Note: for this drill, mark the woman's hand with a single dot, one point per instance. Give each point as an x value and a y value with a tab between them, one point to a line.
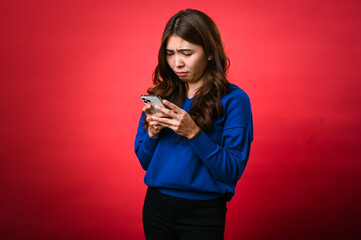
154	127
180	121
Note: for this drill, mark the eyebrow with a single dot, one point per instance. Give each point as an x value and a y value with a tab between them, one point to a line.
180	50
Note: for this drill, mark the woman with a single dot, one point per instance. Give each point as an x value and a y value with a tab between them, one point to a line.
196	149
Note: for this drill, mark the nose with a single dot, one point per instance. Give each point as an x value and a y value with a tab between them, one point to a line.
179	61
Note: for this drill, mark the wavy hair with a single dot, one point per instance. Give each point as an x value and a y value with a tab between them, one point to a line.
196	27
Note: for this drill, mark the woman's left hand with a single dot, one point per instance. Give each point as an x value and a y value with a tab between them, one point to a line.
180	121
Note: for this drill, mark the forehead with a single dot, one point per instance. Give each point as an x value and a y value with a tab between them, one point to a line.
176	42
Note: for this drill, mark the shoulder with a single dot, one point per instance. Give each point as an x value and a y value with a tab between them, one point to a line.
236	96
236	107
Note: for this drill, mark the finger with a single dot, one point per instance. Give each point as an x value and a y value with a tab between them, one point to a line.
165	111
153	123
157	127
171	105
170	126
170	112
147	108
161	115
164	121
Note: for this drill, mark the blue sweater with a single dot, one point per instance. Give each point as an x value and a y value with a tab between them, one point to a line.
207	166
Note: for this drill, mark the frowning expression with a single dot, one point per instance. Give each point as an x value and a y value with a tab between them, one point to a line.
186	59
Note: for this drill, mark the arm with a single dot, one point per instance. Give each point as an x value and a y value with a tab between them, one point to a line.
226	162
227	159
146	140
144	145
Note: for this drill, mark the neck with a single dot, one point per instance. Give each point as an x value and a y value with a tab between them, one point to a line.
192	88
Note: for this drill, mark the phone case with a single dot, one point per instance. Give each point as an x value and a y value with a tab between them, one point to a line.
152	100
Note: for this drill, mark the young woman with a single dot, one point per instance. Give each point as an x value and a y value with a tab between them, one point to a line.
196	149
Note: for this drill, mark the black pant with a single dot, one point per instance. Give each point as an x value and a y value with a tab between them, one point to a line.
168	217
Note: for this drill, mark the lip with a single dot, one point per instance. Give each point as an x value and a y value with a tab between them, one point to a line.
182	74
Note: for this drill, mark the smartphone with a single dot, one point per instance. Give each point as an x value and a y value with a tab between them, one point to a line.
152	100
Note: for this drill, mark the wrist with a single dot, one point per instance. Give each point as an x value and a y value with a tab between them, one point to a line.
195	134
152	135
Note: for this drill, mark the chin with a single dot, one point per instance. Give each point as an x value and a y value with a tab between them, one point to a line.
184	79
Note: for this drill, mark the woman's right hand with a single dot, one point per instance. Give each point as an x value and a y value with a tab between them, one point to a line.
154	127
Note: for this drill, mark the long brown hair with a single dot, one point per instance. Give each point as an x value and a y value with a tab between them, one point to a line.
196	27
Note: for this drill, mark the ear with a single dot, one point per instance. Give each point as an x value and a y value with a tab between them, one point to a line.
210	58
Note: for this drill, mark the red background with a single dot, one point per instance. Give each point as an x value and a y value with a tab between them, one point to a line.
71	76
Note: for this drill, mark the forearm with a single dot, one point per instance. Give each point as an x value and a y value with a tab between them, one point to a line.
145	150
144	146
226	163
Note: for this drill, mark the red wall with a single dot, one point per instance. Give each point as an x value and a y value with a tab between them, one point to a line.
71	76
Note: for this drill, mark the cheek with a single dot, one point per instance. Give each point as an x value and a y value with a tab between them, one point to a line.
169	61
200	66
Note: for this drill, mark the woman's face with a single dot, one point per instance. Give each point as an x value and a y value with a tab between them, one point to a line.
186	59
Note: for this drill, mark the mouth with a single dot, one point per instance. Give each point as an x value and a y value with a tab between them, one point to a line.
182	74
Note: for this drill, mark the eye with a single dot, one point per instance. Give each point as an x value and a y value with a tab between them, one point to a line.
169	53
187	53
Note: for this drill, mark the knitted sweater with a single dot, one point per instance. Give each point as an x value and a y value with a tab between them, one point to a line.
207	166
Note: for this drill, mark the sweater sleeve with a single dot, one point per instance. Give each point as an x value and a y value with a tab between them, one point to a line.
144	145
226	161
